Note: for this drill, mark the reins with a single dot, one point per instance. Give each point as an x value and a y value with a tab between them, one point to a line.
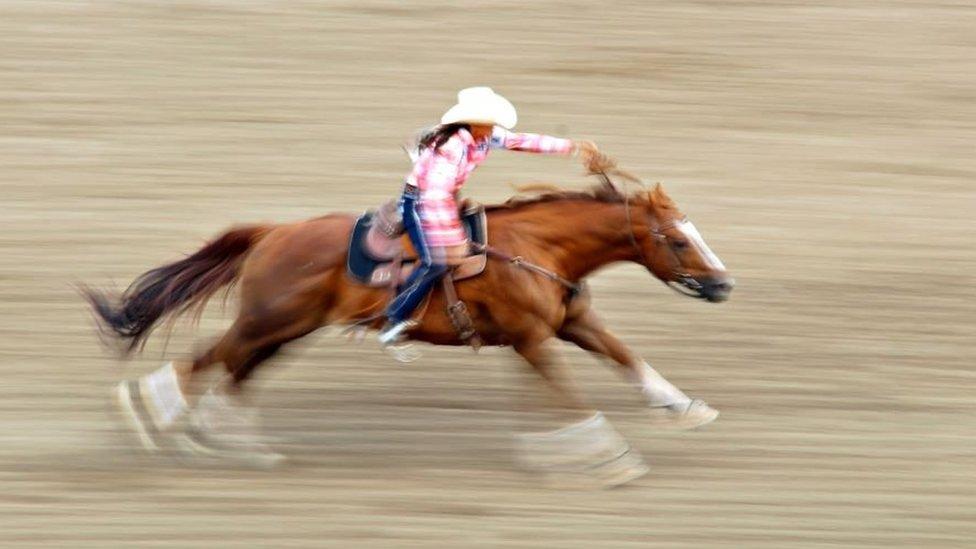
519	261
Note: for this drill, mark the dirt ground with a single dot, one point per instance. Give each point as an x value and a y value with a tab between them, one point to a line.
825	150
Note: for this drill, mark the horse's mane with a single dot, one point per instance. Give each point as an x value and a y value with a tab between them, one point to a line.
539	193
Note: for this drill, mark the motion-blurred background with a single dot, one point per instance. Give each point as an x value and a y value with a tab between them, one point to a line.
825	149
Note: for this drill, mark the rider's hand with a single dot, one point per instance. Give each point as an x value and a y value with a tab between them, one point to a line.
592	159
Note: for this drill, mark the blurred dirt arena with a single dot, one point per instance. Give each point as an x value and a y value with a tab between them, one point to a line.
825	149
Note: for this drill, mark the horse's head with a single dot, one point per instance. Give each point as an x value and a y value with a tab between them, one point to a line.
674	251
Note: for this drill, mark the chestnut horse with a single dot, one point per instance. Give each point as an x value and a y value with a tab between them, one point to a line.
293	280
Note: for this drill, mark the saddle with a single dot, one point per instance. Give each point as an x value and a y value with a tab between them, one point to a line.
381	255
380	252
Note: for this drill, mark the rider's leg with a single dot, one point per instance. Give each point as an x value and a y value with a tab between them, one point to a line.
428	271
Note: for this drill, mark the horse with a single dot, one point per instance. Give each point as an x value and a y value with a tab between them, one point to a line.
292	281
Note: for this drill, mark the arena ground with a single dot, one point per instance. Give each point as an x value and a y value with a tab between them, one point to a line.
825	150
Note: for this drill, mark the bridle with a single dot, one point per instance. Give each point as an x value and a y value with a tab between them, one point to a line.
683	281
688	285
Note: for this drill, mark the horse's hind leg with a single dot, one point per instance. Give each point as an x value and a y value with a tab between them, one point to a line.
156	405
220	424
163	403
669	405
239	375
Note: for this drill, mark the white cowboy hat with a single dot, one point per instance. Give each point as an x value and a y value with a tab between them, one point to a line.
481	105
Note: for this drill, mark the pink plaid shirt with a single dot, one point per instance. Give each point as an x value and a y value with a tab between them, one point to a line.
440	174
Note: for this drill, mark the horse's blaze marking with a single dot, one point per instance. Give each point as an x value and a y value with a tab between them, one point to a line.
688	229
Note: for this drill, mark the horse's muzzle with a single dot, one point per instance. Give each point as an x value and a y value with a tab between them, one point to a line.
716	289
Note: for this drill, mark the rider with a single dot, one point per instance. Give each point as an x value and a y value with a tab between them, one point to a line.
446	156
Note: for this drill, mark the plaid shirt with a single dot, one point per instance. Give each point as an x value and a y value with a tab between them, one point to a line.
440	174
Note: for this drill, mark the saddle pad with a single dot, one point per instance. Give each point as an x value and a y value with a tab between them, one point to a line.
359	264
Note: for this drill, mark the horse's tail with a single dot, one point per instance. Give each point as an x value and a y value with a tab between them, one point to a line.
174	288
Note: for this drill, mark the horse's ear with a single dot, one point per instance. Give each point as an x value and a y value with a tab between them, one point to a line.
659	197
654	193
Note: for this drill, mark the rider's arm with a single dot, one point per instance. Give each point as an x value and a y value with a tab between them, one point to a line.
530	142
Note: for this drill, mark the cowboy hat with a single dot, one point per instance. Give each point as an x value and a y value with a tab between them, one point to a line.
481	105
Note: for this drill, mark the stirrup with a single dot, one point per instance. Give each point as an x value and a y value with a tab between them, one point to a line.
394	333
393	341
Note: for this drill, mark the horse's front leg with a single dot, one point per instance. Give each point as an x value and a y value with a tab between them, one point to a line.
669	405
549	364
589	449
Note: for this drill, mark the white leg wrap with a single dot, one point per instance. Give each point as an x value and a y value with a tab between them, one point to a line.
162	390
590	448
657	390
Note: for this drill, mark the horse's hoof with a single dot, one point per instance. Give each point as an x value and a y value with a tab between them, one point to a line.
128	401
625	473
218	430
196	446
596	475
696	413
589	454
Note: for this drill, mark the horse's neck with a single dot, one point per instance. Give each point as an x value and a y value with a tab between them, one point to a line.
577	237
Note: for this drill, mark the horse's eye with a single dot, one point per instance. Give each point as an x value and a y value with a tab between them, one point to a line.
679	244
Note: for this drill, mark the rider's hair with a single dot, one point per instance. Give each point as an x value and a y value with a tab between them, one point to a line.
438	135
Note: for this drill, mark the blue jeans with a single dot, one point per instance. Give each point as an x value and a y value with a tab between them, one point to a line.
427	271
